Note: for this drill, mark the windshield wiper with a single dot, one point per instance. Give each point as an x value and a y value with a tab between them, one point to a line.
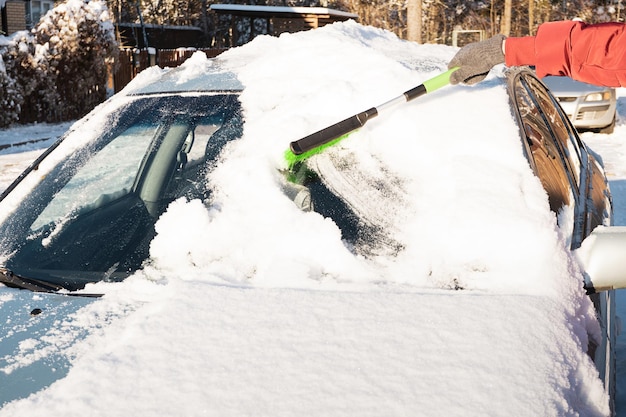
8	278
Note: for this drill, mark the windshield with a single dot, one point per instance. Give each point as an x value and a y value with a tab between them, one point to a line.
92	217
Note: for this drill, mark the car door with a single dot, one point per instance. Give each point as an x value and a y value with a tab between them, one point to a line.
572	176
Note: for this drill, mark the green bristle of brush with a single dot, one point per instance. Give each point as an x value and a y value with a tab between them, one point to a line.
292	158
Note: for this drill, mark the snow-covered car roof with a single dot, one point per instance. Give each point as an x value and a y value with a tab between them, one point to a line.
249	305
196	75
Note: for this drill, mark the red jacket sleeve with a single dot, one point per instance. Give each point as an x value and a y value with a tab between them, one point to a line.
595	54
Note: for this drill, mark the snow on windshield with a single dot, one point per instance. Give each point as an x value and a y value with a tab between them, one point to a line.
223	317
413	174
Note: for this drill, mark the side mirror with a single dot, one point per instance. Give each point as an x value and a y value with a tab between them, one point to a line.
603	255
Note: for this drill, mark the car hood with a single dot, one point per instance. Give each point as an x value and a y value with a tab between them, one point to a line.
570	87
280	352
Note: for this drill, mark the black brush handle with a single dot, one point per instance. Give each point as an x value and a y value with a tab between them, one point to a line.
329	133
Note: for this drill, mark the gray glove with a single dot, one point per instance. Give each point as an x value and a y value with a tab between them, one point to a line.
476	60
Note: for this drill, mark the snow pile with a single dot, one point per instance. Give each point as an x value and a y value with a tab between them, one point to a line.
251	306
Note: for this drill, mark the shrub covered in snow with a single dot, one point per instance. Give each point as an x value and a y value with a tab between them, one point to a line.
58	70
27	72
10	97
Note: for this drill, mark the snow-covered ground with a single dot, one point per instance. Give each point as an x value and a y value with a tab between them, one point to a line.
188	336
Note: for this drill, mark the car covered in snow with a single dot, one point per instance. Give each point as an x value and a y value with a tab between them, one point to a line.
589	107
497	220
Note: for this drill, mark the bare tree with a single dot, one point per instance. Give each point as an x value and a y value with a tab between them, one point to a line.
505	29
531	17
414	20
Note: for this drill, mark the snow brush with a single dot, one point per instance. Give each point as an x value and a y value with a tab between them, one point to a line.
315	143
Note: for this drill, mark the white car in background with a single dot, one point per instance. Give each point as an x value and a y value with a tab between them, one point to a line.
587	106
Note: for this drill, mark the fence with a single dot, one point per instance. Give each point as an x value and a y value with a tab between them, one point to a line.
131	61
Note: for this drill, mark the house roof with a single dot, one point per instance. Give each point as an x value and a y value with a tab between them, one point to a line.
280	11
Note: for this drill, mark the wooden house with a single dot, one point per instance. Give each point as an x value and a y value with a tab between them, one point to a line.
243	20
16	15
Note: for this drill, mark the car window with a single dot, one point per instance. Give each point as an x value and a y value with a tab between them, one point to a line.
559	158
567	141
102	178
195	144
545	153
92	217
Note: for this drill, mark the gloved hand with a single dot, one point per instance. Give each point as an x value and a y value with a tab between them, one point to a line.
476	60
